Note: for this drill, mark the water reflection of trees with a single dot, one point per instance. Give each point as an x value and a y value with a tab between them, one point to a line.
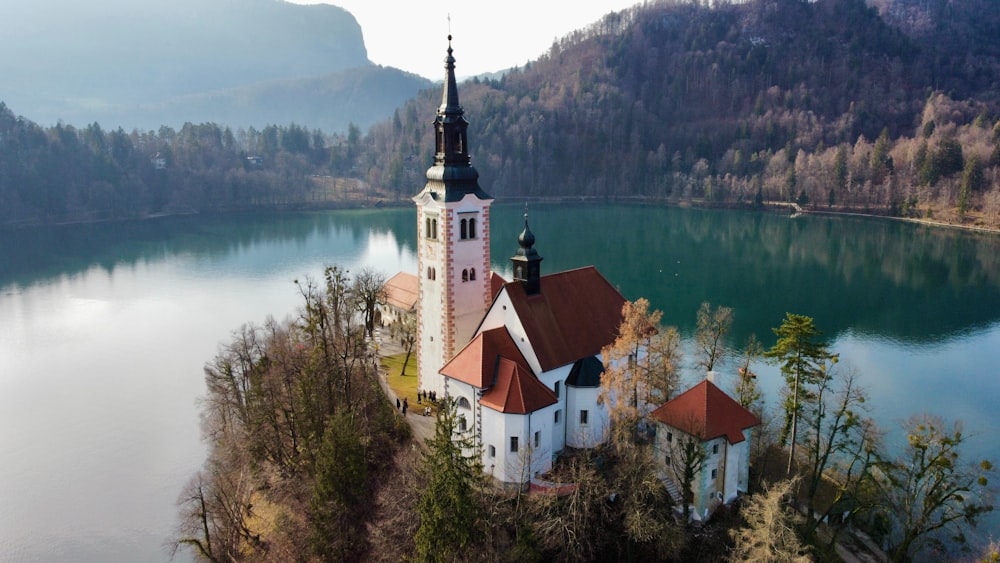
901	281
34	255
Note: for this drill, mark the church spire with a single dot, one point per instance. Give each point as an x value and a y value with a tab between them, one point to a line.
449	98
526	261
453	254
452	163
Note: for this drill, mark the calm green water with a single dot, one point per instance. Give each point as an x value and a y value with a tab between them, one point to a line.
104	330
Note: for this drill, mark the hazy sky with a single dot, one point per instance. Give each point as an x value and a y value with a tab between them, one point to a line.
489	35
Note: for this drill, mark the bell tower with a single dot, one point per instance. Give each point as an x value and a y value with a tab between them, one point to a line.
526	261
453	243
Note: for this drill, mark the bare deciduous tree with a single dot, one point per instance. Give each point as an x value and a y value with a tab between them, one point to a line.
931	491
769	535
404	329
839	444
572	525
712	327
686	454
640	369
748	393
369	293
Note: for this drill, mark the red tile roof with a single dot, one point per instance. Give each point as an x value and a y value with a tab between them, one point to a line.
496	284
707	412
476	364
492	361
574	315
401	291
517	390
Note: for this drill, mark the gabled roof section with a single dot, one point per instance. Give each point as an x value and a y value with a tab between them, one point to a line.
517	390
574	315
707	412
401	291
476	364
496	284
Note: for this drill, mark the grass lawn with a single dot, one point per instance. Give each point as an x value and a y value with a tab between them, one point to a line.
404	384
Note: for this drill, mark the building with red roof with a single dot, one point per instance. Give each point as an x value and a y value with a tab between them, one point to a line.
401	293
530	378
721	428
520	358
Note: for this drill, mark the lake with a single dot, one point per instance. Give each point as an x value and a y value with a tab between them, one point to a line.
105	329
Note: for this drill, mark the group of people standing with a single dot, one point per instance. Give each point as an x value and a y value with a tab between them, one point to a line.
429	396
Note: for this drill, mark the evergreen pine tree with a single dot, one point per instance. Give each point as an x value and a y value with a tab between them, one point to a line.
340	494
801	357
449	507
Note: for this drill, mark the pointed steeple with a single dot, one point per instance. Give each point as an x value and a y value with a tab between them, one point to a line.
452	163
526	261
449	98
453	255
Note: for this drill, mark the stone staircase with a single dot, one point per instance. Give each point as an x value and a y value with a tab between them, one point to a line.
673	488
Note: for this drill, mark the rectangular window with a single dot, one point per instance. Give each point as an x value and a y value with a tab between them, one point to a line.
670	437
493	452
584	416
513	444
715	449
538	439
557	416
714	473
462	426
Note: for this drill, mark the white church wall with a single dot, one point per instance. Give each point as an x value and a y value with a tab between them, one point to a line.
557	428
592	431
732	470
431	291
502	314
464	396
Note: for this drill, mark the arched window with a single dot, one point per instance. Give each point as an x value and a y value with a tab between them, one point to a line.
472	228
558	386
463	403
427	227
464	229
434	228
465	275
472	274
430	274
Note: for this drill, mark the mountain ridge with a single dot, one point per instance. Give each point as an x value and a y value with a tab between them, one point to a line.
119	62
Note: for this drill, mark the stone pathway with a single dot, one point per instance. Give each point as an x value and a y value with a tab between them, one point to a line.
422	426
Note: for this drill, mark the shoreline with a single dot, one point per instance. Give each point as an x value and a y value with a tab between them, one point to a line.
381	202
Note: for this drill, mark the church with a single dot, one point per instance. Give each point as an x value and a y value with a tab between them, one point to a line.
520	358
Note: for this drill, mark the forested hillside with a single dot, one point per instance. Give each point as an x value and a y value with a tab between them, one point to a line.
889	108
64	174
